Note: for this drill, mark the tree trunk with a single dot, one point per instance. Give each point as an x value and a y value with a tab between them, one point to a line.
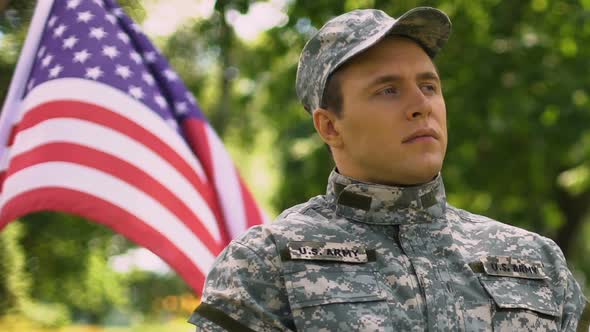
3	4
575	209
220	117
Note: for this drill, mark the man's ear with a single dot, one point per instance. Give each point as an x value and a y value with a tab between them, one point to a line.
325	123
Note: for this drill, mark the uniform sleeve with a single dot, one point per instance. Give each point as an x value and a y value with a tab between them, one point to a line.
576	311
244	292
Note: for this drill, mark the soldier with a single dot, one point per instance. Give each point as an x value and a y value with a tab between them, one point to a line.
382	250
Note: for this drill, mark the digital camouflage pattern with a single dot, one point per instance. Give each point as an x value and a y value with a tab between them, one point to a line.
424	274
351	33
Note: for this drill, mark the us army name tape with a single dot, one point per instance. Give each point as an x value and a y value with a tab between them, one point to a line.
327	251
512	267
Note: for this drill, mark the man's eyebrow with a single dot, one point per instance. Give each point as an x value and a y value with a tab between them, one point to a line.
427	75
384	79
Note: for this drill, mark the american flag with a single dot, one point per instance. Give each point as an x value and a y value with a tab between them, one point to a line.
99	125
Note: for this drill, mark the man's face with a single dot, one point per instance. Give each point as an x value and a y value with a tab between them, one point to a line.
393	121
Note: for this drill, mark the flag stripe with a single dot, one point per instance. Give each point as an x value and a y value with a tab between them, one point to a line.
5	159
114	143
196	129
82	155
169	158
114	191
117	102
104	212
107	118
11	136
226	180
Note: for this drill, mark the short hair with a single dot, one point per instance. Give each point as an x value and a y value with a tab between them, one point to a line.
332	97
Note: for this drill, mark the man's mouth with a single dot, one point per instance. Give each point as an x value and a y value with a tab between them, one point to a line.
421	135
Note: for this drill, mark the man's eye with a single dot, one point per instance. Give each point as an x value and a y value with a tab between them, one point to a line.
389	91
429	88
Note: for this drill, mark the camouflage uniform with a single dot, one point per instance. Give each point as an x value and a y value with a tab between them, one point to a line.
368	257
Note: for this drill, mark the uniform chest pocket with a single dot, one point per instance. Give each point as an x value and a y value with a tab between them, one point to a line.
521	304
329	299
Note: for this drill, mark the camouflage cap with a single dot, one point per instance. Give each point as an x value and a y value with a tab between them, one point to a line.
347	35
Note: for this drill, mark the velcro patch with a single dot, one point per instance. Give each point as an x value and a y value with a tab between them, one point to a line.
513	267
327	251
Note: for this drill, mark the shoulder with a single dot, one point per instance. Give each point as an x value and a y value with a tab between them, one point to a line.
499	238
255	255
492	228
297	223
293	224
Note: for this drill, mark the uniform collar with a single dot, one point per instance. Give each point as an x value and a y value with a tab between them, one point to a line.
380	204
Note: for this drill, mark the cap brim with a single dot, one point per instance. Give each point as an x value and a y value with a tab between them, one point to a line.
428	26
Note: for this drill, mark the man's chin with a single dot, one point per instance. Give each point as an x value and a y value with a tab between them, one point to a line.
423	173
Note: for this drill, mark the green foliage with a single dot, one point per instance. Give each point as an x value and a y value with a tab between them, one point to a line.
15	283
146	287
74	253
50	315
14	323
99	289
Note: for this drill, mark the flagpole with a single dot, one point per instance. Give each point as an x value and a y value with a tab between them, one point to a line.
22	71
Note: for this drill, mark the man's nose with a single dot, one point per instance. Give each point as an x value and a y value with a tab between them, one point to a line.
419	105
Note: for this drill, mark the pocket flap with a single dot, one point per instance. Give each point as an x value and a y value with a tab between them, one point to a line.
313	287
514	293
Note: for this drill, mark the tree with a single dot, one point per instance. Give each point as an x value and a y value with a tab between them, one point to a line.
14	290
514	77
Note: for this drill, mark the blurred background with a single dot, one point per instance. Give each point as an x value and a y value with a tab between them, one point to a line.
516	79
